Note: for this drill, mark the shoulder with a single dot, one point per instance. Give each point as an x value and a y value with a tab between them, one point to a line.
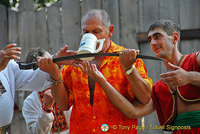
115	48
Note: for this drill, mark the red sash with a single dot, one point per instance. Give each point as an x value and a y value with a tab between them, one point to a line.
59	122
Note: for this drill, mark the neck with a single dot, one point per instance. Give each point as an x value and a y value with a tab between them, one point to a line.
175	58
107	46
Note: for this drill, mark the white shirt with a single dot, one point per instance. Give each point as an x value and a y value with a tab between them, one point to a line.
13	79
37	120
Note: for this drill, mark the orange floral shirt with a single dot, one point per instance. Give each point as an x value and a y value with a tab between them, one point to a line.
87	119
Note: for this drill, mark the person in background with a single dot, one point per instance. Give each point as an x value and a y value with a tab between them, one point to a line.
12	79
93	109
40	111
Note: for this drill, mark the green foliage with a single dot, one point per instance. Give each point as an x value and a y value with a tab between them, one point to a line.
9	3
37	3
43	3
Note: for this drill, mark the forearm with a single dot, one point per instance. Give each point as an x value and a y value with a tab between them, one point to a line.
194	78
140	87
61	96
60	93
119	101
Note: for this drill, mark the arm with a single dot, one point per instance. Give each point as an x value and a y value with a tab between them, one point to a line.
131	111
9	52
23	79
180	77
29	80
119	101
140	87
58	89
37	120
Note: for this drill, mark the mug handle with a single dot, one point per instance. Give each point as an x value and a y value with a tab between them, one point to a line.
101	41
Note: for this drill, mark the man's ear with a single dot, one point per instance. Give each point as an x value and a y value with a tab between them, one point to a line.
175	37
111	30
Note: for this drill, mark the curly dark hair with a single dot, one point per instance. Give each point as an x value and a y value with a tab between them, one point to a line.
33	53
167	25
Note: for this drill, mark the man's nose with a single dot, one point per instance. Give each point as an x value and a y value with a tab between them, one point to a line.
153	42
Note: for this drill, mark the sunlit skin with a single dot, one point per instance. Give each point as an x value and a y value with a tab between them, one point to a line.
8	53
161	43
95	26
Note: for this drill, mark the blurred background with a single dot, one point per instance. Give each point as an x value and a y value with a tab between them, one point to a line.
51	24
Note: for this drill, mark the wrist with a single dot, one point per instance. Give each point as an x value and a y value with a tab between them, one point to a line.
125	68
47	108
129	70
55	81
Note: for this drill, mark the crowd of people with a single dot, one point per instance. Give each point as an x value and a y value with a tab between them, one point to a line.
91	96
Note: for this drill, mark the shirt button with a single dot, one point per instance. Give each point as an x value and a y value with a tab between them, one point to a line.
94	117
94	130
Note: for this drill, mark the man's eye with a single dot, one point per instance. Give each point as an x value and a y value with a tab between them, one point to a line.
96	32
157	36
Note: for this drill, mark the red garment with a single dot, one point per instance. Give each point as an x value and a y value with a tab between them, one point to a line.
190	64
188	131
163	99
86	119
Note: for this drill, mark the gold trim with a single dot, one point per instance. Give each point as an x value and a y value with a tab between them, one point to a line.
173	111
178	88
186	99
182	60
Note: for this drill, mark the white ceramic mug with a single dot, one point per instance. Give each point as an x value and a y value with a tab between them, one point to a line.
88	45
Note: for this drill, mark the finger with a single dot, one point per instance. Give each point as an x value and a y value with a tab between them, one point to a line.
94	67
171	85
64	49
137	52
50	61
92	70
9	46
132	54
14	57
167	74
79	60
76	65
41	61
12	49
12	52
167	81
88	68
71	52
172	66
123	52
83	67
47	61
